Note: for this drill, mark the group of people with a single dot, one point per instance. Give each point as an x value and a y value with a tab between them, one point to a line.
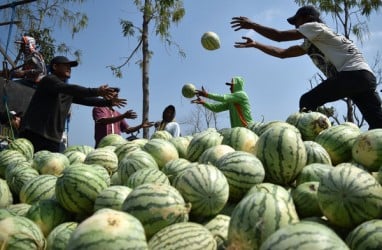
347	75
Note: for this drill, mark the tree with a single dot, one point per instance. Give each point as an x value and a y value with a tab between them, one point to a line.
161	13
40	18
350	17
200	119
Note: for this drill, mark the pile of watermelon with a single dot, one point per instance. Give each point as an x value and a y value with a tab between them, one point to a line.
301	183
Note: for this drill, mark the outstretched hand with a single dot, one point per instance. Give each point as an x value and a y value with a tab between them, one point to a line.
198	101
118	102
241	22
201	92
147	124
247	44
130	114
106	92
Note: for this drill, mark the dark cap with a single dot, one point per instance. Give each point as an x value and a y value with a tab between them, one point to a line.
305	11
63	60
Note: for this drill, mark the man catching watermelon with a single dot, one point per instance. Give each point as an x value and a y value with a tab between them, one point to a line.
348	74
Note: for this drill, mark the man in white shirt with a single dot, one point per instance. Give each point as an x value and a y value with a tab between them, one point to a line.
348	74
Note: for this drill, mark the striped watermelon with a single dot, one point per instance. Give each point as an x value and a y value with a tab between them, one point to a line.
188	90
304	235
218	226
242	170
111	197
315	153
19	209
77	189
122	150
294	118
81	148
18	232
305	199
201	142
9	157
367	149
111	140
174	167
106	158
6	197
181	143
161	150
59	236
183	235
283	154
240	138
108	229
213	154
210	40
205	187
47	214
367	235
50	163
260	129
75	156
255	218
349	196
313	172
5	213
161	134
24	146
156	206
310	124
338	141
38	188
146	175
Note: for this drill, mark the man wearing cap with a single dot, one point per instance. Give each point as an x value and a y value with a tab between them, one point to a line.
9	127
44	121
237	102
347	72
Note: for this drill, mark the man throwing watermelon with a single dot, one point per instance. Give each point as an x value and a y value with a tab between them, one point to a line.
347	72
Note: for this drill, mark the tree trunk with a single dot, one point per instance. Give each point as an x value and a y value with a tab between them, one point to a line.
145	68
350	111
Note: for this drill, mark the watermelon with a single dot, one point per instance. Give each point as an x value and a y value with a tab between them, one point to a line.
283	154
181	143
240	139
81	148
50	163
260	129
242	170
38	188
210	40
188	90
310	124
161	134
103	157
213	154
367	235
156	206
205	187
183	235
111	140
305	199
313	172
19	209
108	229
315	153
294	118
349	196
18	174
201	142
6	197
59	236
304	235
174	167
146	175
111	197
122	150
24	146
18	232
9	157
5	213
218	226
161	150
75	156
367	149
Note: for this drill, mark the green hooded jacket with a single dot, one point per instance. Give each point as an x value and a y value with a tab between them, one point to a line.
237	103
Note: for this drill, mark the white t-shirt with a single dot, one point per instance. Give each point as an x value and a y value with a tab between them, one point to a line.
173	128
335	49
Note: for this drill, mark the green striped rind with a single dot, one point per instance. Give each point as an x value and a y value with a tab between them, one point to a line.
111	140
267	125
304	235
205	187
240	138
255	218
24	146
78	187
174	167
188	90
124	149
19	209
161	134
201	142
136	160
315	153
311	124
82	148
338	141
6	197
181	143
9	157
140	142
112	197
183	235
108	229
161	150
146	175
19	174
313	172
51	163
59	237
218	226
305	199
210	41
294	118
38	188
5	213
213	154
47	214
349	196
283	154
255	127
18	232
156	206
367	235
106	158
367	149
242	170
75	156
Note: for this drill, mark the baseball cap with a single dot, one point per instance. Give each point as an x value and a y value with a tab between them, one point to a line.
14	113
304	11
63	60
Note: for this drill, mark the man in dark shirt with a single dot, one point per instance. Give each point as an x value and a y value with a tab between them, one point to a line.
44	120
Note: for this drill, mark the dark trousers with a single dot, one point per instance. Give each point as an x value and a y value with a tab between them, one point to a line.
39	142
360	86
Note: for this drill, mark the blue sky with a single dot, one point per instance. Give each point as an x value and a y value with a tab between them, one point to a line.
274	85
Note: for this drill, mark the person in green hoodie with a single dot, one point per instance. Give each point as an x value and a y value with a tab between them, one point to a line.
237	102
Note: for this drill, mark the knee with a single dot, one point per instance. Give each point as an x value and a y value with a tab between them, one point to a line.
304	103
